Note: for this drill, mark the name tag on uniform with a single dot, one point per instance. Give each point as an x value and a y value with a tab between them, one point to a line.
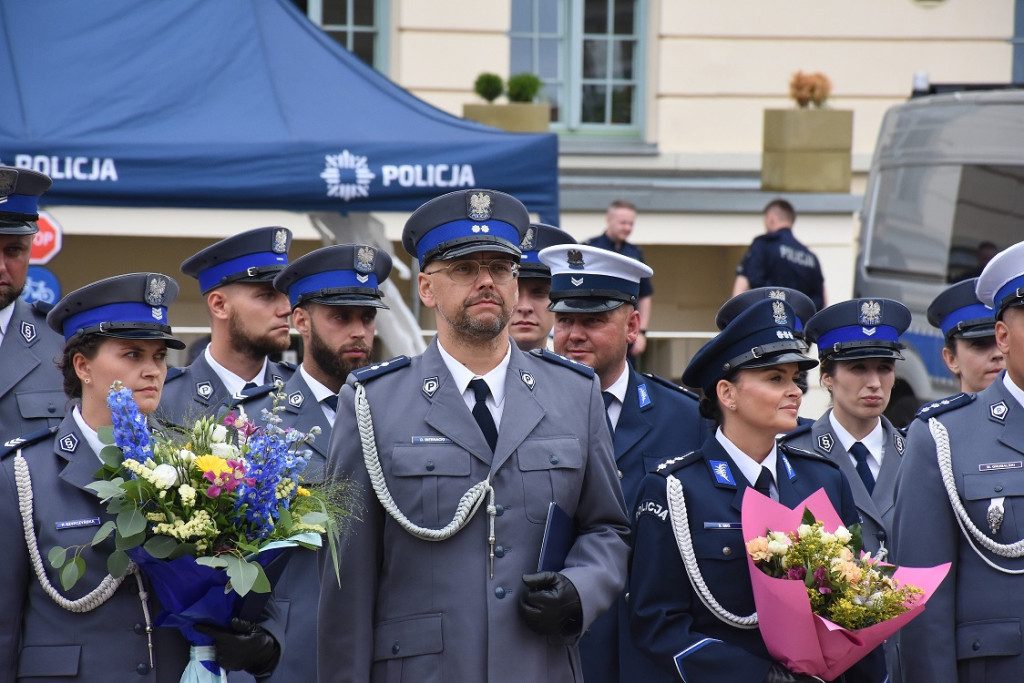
999	466
77	523
425	440
723	525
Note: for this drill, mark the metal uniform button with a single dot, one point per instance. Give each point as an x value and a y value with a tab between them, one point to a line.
554	459
499	510
430	466
619	473
51	408
142	669
727	551
140	629
395	648
499	551
500	592
999	487
976	645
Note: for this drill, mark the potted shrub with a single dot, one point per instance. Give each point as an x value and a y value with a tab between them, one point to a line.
521	114
807	149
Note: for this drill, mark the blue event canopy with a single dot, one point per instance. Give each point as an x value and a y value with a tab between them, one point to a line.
234	104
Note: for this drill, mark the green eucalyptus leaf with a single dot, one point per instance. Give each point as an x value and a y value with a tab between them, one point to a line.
129	542
106	489
315	518
160	547
215	562
112	456
106	434
262	583
57	556
117	563
182	550
103	532
131	522
241	574
71	573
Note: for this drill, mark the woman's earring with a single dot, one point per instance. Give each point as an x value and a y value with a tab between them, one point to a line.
87	380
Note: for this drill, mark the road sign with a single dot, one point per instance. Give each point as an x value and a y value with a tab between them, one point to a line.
48	241
41	285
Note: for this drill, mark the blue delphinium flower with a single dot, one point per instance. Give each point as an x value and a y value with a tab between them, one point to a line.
131	431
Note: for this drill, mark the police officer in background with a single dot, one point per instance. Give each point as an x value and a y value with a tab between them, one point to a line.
777	257
248	322
532	321
747	373
858	347
969	329
507	433
959	499
335	295
30	385
594	295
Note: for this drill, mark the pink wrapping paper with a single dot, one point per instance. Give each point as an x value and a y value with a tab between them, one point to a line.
795	636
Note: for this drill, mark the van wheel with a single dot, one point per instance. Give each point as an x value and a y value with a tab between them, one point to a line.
901	410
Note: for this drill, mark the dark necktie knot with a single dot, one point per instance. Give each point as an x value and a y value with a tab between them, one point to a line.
609	399
249	386
860	454
480	389
763	485
332	402
482	414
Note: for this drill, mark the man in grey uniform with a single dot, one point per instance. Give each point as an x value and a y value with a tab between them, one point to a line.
248	322
479	433
31	392
335	295
960	499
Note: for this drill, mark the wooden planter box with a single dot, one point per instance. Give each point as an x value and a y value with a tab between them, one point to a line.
806	150
517	117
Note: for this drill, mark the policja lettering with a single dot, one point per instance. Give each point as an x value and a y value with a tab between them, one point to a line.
800	258
72	168
429	175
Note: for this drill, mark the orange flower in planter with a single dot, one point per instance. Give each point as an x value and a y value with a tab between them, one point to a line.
810	88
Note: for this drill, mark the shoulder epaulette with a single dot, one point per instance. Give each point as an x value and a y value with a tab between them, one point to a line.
557	359
800	430
174	373
667	467
42	306
790	451
12	446
945	405
671	385
364	375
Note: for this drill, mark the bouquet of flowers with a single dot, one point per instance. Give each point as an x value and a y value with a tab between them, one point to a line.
205	511
822	603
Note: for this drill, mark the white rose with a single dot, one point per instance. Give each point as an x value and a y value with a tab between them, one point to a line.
186	456
804	530
164	476
223	450
778	548
843	535
220	433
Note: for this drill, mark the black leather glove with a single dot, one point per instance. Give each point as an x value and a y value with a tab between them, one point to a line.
245	646
780	674
551	606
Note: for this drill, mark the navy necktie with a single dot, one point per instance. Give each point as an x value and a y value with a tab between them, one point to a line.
249	386
608	400
332	402
763	485
481	413
860	453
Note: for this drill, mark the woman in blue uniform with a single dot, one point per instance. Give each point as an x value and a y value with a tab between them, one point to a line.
102	629
969	329
748	375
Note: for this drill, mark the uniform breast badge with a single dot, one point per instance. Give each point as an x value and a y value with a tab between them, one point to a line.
995	515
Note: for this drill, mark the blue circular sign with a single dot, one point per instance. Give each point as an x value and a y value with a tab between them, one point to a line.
41	285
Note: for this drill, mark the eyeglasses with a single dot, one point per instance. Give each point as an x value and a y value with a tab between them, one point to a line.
466	272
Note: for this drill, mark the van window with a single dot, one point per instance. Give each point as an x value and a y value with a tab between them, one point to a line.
989	217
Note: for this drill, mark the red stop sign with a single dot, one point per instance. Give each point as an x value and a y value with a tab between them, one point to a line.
47	242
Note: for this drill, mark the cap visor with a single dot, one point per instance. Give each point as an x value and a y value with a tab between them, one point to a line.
349	300
976	332
584	305
476	247
18	227
172	341
534	271
867	352
802	361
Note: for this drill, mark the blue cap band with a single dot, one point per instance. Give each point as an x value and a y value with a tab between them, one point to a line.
20	203
1007	290
531	257
331	279
855	333
563	284
114	313
211	277
972	312
466	228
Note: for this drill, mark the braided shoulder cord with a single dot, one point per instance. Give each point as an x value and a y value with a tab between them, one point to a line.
967	526
468	504
87	603
681	530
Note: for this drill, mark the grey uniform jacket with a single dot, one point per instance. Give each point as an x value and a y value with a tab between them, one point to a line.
196	390
31	386
973	627
875	508
40	641
416	610
297	591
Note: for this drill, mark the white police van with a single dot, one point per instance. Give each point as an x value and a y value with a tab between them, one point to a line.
946	185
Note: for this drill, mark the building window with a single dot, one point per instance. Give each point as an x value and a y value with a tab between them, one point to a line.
355	24
587	53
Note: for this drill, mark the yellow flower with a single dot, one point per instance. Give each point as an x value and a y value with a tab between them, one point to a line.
302	492
211	463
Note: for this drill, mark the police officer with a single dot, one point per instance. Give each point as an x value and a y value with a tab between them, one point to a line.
594	295
778	257
335	296
747	373
30	386
858	346
102	629
532	321
476	432
967	325
248	322
959	495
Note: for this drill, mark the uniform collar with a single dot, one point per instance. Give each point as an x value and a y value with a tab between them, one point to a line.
747	465
5	318
619	386
319	391
1015	391
90	435
233	384
874	441
462	375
